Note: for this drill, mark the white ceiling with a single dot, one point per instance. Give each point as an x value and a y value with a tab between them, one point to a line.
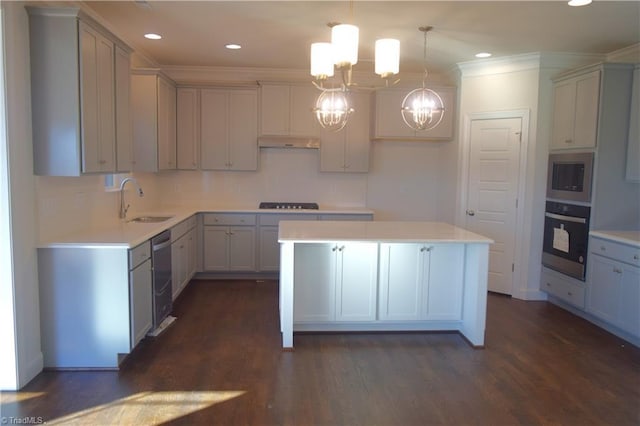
278	34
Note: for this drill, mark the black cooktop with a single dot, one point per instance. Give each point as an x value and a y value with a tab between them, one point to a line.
288	205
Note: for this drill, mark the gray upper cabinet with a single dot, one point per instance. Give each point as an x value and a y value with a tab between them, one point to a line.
79	76
153	100
389	125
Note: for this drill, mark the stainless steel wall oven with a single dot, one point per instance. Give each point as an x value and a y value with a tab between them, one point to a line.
566	235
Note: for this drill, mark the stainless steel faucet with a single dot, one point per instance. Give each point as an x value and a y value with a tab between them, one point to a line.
123	209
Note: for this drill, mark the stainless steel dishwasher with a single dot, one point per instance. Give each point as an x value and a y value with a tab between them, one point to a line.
161	261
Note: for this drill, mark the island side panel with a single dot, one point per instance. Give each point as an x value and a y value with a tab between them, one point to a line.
286	293
474	311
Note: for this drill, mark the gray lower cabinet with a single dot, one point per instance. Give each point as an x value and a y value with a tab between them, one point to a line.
242	242
95	304
613	293
183	255
229	242
140	292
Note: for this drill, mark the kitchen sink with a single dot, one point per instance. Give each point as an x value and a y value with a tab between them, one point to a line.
150	219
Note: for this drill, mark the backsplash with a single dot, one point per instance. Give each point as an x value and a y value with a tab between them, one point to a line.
67	205
283	175
404	183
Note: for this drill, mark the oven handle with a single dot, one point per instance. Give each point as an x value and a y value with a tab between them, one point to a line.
566	218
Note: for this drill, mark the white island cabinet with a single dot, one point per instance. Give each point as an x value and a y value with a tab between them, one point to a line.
364	276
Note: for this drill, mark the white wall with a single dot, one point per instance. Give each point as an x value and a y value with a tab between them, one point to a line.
22	195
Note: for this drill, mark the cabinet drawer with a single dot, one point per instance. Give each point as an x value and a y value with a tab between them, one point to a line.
229	219
556	285
274	219
182	228
139	254
616	251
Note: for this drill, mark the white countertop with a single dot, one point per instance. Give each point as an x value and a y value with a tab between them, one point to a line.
125	235
378	231
631	238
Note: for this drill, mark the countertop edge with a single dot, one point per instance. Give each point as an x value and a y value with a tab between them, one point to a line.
631	238
136	234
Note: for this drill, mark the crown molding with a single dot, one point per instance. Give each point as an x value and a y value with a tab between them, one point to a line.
527	61
629	54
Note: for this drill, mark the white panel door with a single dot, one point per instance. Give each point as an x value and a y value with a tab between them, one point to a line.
492	193
403	271
356	281
315	278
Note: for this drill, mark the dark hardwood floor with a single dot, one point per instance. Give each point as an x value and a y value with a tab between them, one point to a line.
221	363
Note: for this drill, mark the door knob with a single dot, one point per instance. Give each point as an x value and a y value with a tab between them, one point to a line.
471	213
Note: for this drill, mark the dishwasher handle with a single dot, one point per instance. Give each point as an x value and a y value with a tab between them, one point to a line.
163	244
161	241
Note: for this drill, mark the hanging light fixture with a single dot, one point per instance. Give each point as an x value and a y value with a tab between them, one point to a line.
333	107
423	109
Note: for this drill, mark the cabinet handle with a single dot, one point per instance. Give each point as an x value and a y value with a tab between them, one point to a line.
635	257
334	248
617	270
569	293
102	161
426	248
548	284
603	248
341	248
568	141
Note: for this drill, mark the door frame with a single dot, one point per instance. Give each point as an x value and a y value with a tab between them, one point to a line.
463	188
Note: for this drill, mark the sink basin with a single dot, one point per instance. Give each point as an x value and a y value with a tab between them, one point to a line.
150	219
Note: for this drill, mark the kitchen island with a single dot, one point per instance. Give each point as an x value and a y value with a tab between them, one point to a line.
382	276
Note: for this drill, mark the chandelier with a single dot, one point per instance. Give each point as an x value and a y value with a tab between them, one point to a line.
333	106
422	108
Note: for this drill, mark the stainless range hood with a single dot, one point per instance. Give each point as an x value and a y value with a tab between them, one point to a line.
288	142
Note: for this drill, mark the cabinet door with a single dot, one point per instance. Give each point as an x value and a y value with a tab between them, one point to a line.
192	253
629	318
332	150
166	125
603	292
215	246
187	128
444	287
302	121
124	130
97	101
390	125
348	149
274	110
178	265
356	281
242	248
357	145
314	278
564	98
141	291
403	270
586	110
575	112
214	129
243	130
269	249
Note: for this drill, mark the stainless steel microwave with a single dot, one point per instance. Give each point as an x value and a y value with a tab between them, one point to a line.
570	176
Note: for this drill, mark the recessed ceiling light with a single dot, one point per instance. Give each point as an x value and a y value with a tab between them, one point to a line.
579	2
483	55
233	46
152	36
